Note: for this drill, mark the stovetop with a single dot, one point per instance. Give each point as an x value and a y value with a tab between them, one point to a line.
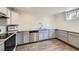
5	35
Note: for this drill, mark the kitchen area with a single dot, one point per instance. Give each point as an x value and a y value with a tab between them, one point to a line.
11	36
21	26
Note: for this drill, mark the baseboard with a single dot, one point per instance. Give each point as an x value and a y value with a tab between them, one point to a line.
35	41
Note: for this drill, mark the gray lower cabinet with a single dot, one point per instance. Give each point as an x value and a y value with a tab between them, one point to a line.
22	37
26	37
62	35
51	33
19	38
43	34
69	37
2	47
74	39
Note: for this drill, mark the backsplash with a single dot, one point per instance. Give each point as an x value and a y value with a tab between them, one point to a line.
3	22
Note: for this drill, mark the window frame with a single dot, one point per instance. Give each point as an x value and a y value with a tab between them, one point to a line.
72	13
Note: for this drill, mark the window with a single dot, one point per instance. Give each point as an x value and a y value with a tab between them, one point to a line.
72	15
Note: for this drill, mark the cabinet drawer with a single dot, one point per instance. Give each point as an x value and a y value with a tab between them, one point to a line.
74	34
61	31
62	34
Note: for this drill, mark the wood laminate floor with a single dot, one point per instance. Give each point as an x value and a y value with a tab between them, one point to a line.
49	45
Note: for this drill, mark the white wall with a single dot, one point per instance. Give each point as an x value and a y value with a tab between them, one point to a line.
61	23
32	22
13	17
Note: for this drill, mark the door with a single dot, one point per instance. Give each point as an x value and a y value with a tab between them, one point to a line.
51	33
74	39
62	35
45	34
19	38
26	37
41	35
4	10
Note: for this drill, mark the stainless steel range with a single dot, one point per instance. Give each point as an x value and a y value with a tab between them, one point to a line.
10	43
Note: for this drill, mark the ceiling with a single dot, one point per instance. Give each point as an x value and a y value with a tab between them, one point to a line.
42	10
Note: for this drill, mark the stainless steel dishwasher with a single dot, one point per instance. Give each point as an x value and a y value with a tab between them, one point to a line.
34	36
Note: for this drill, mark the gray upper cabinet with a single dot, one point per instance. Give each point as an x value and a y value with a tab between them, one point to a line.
74	39
3	10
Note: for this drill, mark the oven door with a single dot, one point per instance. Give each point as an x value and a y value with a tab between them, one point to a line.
10	43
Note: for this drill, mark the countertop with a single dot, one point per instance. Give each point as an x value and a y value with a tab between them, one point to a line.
33	30
69	31
3	40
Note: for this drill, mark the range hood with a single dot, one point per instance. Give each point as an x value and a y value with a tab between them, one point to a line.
2	15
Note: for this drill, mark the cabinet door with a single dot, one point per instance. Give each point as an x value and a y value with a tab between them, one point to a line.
45	34
26	37
74	39
9	15
41	35
62	35
51	33
56	33
63	38
19	38
3	10
2	47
